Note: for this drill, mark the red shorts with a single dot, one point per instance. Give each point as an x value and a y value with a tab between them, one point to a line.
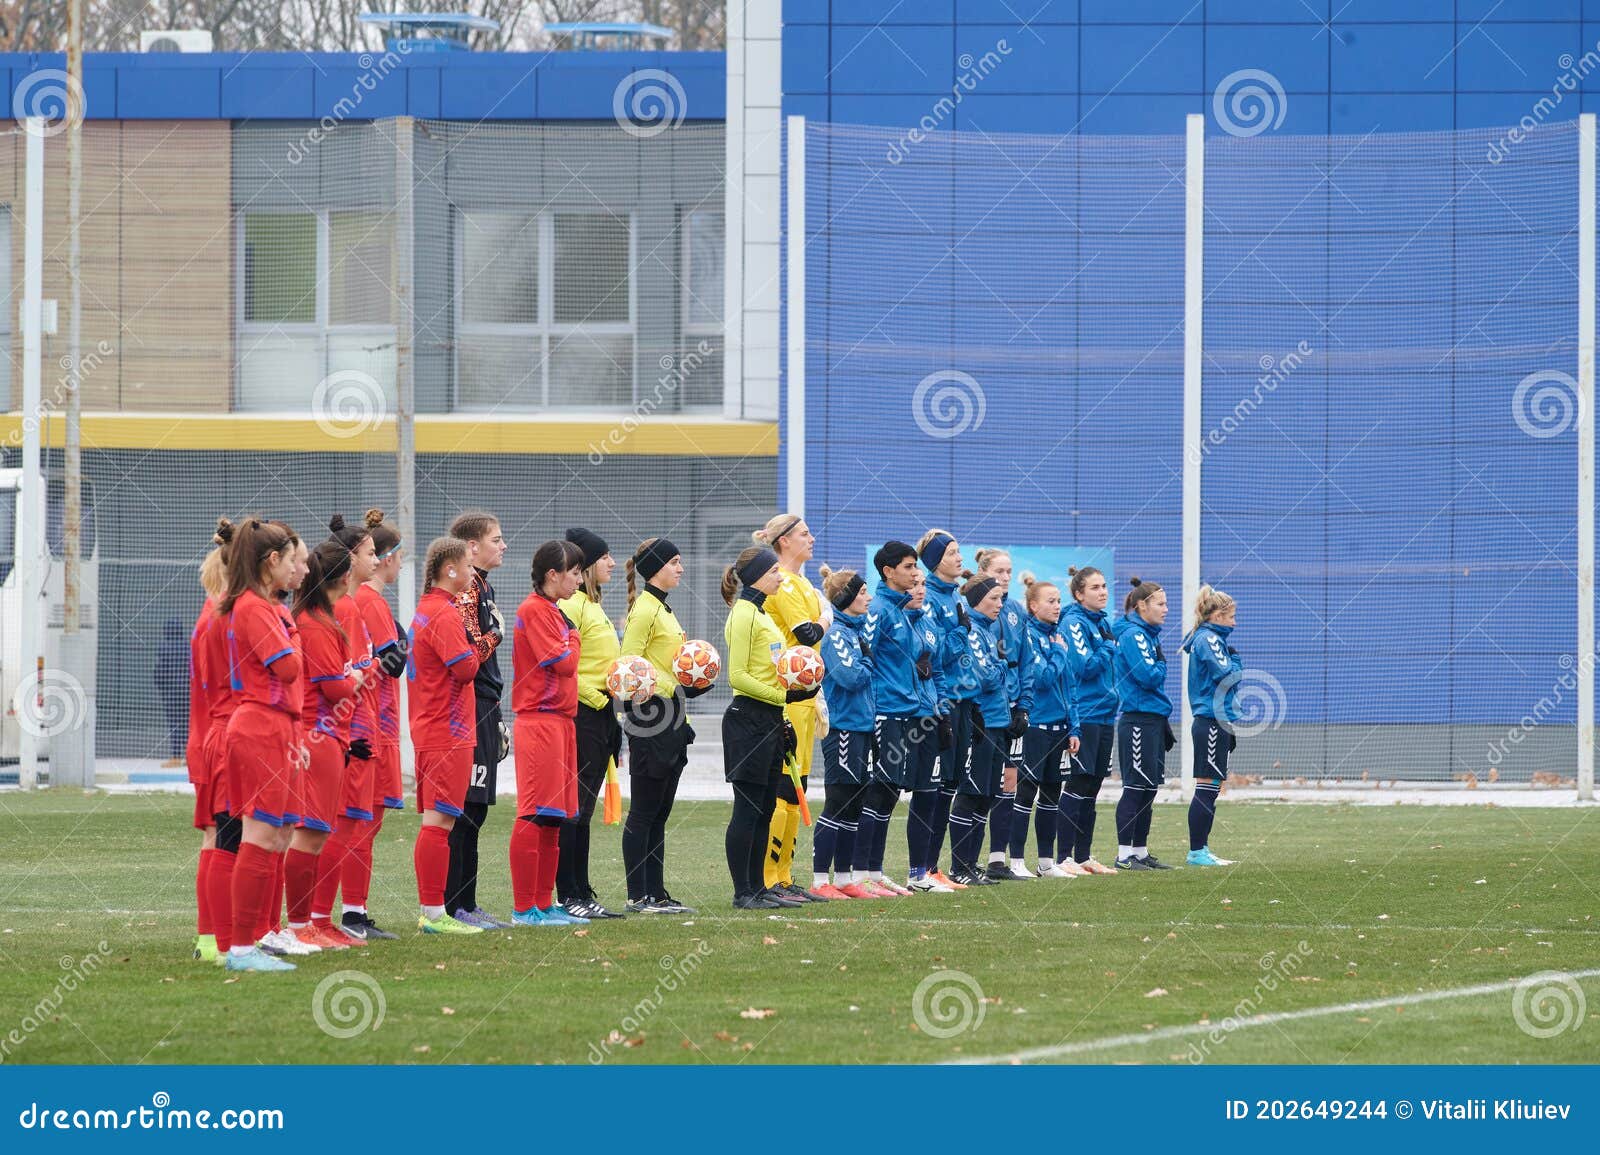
321	786
546	748
359	776
264	760
211	787
388	791
442	777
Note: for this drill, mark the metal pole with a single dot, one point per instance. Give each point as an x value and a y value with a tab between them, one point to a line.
30	521
405	387
1586	655
794	434
1193	310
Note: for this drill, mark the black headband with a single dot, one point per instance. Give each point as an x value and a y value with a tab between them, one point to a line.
784	532
648	561
978	589
842	599
757	567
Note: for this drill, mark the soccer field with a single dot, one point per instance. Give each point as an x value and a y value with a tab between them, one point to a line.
1264	962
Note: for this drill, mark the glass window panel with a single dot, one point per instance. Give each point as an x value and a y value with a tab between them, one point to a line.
704	279
498	372
500	268
594	372
591	268
359	254
280	268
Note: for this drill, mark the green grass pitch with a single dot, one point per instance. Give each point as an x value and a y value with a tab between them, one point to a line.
1329	906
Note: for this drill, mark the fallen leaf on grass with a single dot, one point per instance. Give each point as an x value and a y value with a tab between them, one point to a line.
422	1050
447	1010
725	1037
1156	993
634	1041
768	940
757	1013
580	934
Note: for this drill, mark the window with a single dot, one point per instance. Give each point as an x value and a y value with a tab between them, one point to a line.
545	310
699	368
314	299
10	313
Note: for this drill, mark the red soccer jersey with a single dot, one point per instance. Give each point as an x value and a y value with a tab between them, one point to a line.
259	635
199	695
380	687
364	718
327	675
544	659
439	672
214	668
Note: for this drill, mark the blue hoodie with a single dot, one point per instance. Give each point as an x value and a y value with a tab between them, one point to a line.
1050	677
848	682
1213	665
1092	649
888	636
956	680
989	671
1014	631
1141	676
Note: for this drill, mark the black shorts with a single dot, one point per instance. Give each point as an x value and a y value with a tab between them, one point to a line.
1212	745
1095	743
846	758
981	776
658	737
1045	761
1142	750
752	741
485	754
908	750
953	762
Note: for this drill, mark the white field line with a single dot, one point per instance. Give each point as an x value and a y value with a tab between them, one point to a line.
1162	1034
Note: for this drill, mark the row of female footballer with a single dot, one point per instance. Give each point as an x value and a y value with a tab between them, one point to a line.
986	710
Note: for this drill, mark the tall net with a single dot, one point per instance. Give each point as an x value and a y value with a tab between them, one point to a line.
995	329
241	333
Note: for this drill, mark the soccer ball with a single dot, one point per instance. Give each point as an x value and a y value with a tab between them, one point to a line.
799	668
631	676
697	664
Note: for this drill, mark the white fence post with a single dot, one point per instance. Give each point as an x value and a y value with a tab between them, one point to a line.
794	296
1585	655
1194	291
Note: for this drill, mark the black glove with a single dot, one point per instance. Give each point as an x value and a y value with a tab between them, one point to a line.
961	613
924	667
1233	743
393	659
1000	650
1169	739
866	651
1160	656
688	734
695	691
505	742
1106	635
947	734
808	633
359	748
1019	723
791	740
799	695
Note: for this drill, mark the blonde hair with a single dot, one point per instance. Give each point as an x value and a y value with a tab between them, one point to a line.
985	556
834	580
777	529
1034	589
214	569
923	541
441	552
1208	603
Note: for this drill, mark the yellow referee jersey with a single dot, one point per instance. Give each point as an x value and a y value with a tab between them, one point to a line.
653	633
598	647
753	643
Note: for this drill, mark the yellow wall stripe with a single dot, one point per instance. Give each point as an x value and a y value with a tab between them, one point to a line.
437	434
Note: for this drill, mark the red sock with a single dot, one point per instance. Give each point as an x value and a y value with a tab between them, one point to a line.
355	876
431	857
272	917
300	879
524	866
202	891
219	886
549	856
253	871
330	864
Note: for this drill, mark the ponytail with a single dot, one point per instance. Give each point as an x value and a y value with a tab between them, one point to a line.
1033	589
253	541
441	552
1208	603
1079	580
1140	592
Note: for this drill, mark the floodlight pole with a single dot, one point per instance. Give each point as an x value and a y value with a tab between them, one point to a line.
1193	311
794	296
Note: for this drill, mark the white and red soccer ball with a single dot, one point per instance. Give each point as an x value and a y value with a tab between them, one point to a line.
696	664
800	668
631	676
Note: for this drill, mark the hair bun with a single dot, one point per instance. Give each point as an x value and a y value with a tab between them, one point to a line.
823	570
336	523
1135	580
224	532
374	518
1072	571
